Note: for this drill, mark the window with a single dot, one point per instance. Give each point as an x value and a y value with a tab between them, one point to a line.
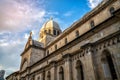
79	69
77	33
47	52
38	78
112	10
49	76
108	65
92	24
49	31
45	31
58	32
33	77
61	73
55	47
54	31
65	40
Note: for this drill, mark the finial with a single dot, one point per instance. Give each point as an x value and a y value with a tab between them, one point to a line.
31	33
30	37
51	18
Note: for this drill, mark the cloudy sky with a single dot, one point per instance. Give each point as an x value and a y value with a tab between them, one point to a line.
19	17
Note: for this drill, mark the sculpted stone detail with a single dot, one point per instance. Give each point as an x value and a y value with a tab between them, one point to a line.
88	50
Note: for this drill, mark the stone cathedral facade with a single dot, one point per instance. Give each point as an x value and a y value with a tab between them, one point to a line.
88	50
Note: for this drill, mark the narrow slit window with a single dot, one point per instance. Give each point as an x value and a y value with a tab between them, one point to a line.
55	47
66	41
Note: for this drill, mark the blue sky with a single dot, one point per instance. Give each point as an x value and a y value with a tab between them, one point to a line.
19	17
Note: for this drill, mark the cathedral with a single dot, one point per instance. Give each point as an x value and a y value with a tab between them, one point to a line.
88	50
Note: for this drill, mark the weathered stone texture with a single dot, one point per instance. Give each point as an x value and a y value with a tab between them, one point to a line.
92	55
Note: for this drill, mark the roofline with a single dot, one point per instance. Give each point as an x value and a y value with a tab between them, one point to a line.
31	46
12	74
85	18
91	30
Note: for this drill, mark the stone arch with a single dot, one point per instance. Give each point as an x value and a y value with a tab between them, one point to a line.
108	65
38	78
61	73
79	69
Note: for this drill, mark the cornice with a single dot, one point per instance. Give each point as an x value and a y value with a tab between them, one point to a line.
86	35
14	73
85	18
64	57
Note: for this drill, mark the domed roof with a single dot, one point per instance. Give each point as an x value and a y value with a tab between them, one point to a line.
49	31
50	24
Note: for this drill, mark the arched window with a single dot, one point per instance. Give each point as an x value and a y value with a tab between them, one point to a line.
45	31
108	66
61	73
38	78
92	24
77	33
58	32
54	31
33	77
112	10
49	76
49	31
65	40
79	69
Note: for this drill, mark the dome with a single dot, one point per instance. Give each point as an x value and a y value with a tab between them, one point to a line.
50	25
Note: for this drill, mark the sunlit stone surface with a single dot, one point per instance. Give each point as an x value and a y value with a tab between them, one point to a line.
88	50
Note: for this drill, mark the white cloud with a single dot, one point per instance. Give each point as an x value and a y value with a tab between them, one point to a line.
18	16
26	36
69	13
17	19
52	13
11	46
93	3
1	67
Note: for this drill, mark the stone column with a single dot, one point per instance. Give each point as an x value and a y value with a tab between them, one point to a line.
88	55
91	64
68	67
53	70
